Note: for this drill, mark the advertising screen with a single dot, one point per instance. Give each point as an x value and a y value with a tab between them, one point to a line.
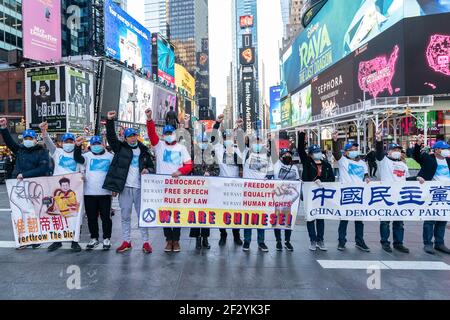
126	92
125	38
42	30
162	101
166	60
275	108
144	95
80	104
248	94
184	81
247	56
111	91
428	38
301	107
286	113
246	21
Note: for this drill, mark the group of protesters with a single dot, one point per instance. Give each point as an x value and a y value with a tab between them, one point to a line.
118	172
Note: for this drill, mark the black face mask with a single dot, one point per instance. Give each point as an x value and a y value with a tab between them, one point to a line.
286	160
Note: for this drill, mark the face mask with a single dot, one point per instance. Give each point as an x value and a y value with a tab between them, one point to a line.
68	147
228	143
169	139
257	148
97	149
353	154
317	156
133	145
396	155
445	153
287	160
29	143
203	146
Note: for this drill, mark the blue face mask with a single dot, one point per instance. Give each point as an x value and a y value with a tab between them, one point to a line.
68	147
29	143
353	154
203	146
97	148
133	145
228	143
169	139
257	148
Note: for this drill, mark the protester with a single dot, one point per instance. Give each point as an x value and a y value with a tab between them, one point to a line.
284	169
392	170
32	159
315	169
131	160
435	167
229	158
372	162
64	163
204	165
171	158
257	165
352	169
96	199
172	118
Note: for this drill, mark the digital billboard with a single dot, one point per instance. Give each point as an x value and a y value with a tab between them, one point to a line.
126	39
164	60
275	108
246	21
80	100
248	100
163	99
112	82
337	30
126	108
286	112
42	30
301	107
184	81
247	56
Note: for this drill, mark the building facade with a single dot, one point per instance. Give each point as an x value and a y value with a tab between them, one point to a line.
156	17
285	13
10	27
12	99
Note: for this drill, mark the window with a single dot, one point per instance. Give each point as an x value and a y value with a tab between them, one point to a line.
2	106
15	106
19	87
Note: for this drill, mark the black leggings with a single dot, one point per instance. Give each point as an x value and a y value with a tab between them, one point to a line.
95	205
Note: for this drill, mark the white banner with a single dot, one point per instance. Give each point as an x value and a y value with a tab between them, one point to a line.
377	201
213	202
46	209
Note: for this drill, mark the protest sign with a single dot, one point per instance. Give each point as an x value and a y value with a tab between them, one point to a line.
378	201
46	209
213	202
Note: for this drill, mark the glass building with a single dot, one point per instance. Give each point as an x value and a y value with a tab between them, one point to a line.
10	27
77	27
155	16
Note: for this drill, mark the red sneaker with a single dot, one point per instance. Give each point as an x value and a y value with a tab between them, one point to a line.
124	247
147	248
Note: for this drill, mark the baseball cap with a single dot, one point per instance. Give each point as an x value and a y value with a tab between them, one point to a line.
168	129
130	132
394	146
350	145
67	136
441	145
96	140
314	149
29	134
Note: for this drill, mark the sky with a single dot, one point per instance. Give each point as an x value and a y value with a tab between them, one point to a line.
270	33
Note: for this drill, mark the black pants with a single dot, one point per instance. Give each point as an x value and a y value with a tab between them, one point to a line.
373	169
236	235
199	232
287	235
95	205
172	234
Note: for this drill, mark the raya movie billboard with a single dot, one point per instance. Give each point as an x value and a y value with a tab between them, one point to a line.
125	38
275	108
42	30
337	30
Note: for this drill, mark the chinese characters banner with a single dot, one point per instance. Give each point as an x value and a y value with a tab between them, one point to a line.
377	201
46	209
212	202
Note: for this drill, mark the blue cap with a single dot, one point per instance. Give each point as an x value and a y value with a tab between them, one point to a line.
168	129
96	140
284	151
393	146
314	149
202	137
130	132
441	145
29	134
350	145
67	136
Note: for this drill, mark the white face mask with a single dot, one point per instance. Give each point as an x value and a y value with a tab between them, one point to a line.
318	156
396	155
353	154
445	153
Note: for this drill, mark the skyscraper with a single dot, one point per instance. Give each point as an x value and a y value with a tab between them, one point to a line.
10	27
121	3
156	16
285	11
294	27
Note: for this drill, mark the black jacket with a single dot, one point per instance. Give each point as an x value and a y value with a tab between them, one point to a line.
123	156
30	162
371	156
428	163
310	170
172	119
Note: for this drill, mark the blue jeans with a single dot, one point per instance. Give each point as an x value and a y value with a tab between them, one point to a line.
397	230
436	228
248	235
359	232
313	235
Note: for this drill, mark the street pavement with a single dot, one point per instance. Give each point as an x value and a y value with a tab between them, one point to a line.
223	273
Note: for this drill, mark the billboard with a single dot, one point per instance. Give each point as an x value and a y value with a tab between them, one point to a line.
126	39
428	39
42	30
286	112
301	107
144	95
80	104
184	81
248	100
338	30
164	60
246	21
126	108
112	83
247	56
46	97
275	108
333	88
163	99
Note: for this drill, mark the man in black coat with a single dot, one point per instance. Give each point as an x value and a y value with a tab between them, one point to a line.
131	160
172	118
315	169
435	167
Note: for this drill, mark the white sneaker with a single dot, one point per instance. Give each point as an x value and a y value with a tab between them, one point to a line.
106	244
321	245
313	246
92	244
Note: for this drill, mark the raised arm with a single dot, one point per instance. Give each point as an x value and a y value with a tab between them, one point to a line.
419	156
111	135
77	154
336	147
301	146
151	128
9	141
47	140
379	155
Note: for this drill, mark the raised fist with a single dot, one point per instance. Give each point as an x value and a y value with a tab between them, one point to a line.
149	113
379	135
220	118
335	136
43	126
3	123
420	139
79	141
111	115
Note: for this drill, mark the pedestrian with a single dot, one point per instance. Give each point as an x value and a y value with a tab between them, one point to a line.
352	169
257	165
315	169
172	158
172	118
284	169
392	170
96	199
204	165
32	159
64	163
435	167
131	160
372	162
229	158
